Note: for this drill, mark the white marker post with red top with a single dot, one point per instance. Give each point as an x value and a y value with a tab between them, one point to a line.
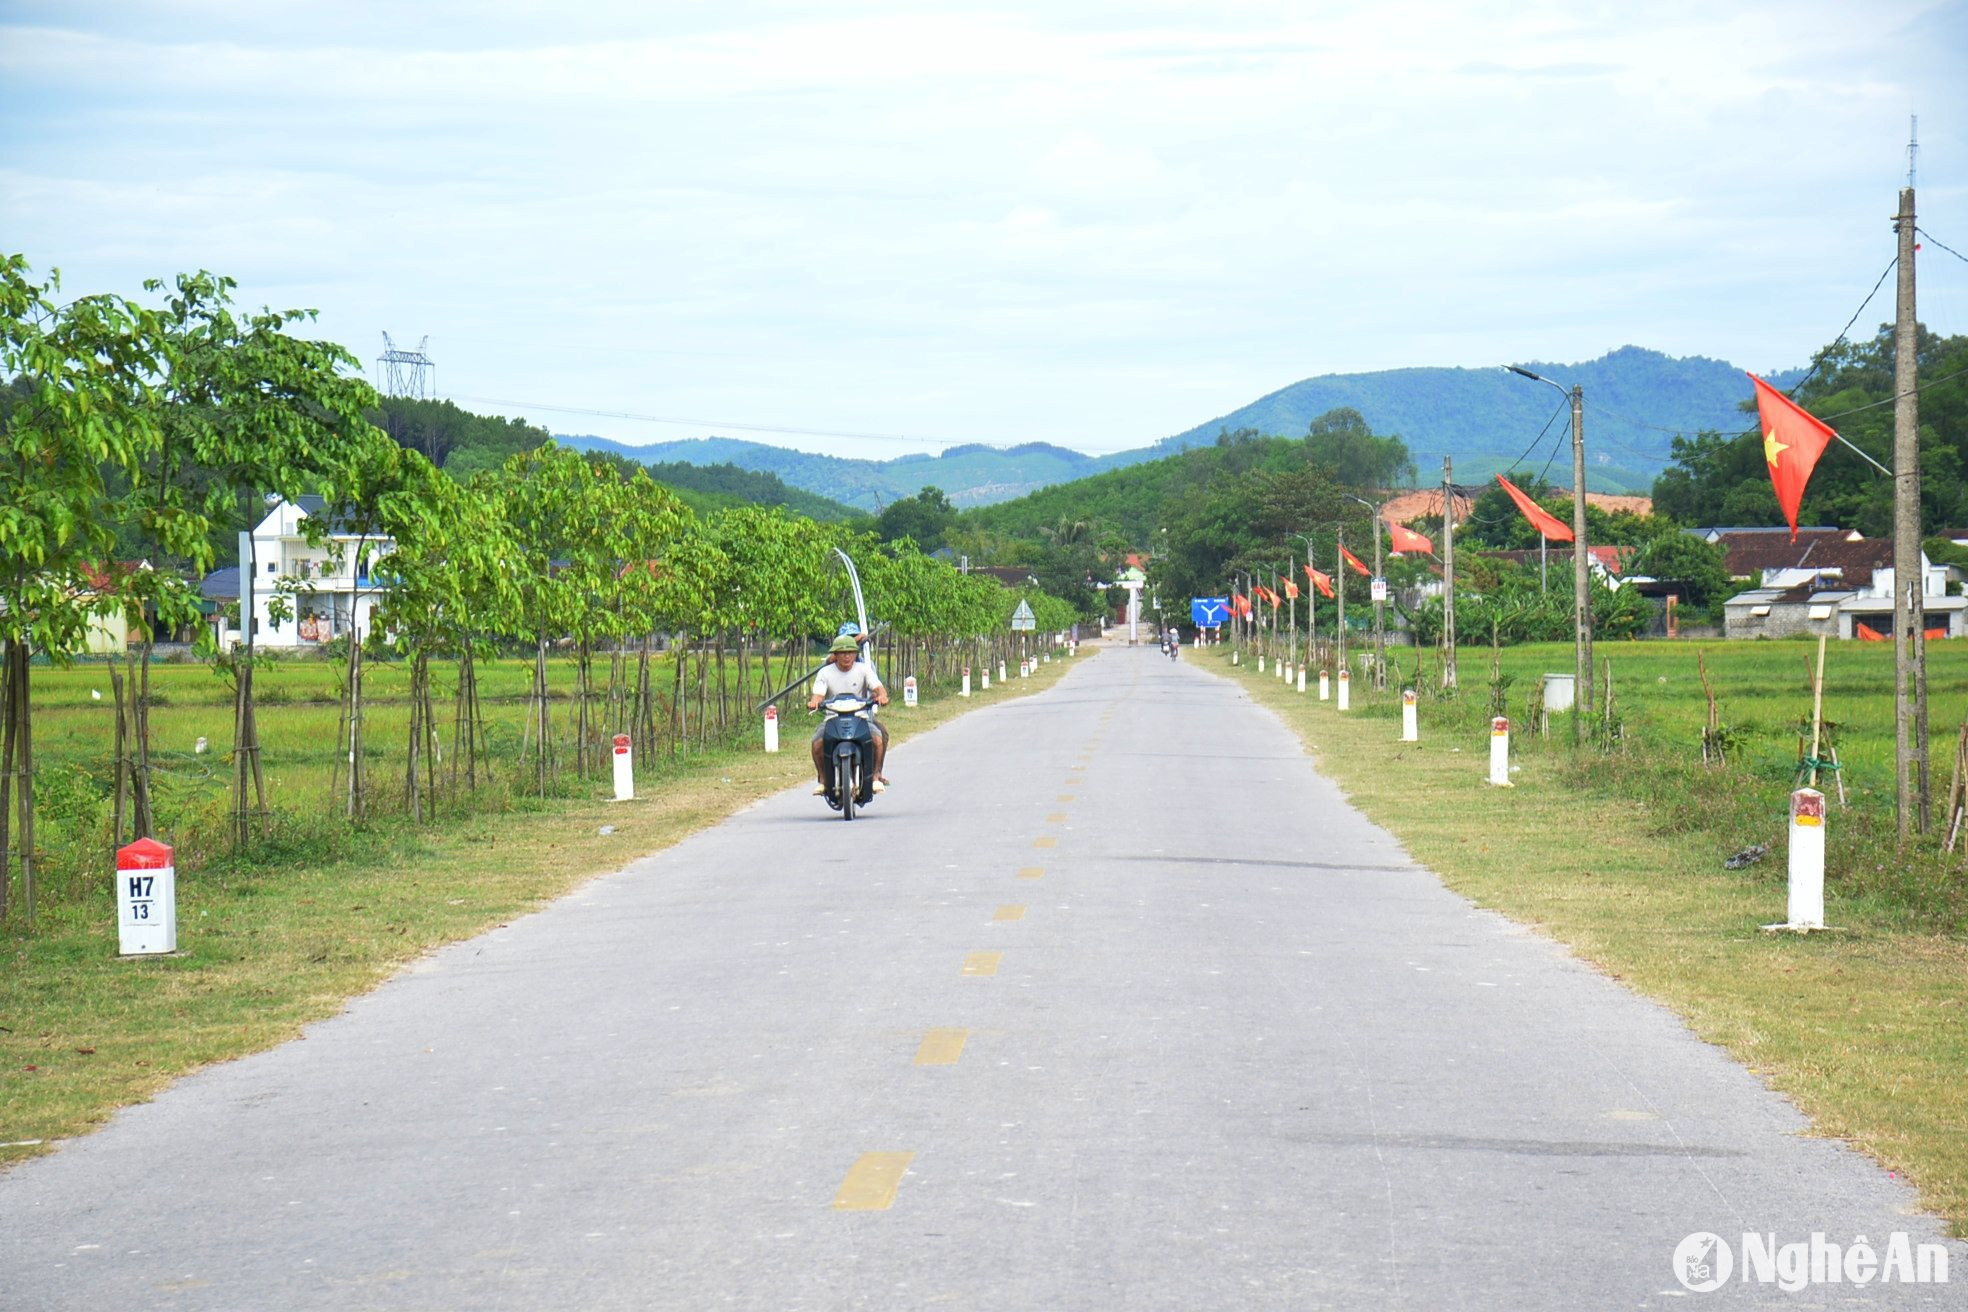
146	899
624	770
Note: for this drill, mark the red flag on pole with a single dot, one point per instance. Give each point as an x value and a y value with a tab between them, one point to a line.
1541	519
1406	539
1323	582
1354	561
1793	439
1270	597
1291	589
1240	603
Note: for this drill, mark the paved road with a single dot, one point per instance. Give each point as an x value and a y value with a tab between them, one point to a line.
1111	1003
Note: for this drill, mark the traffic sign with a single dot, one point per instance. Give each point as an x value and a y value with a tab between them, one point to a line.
1379	590
1209	612
1023	618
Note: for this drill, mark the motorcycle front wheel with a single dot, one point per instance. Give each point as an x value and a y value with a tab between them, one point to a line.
844	785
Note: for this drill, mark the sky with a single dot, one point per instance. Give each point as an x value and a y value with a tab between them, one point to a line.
901	226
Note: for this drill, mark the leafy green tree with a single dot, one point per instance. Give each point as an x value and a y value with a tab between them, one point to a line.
1690	561
924	518
1340	441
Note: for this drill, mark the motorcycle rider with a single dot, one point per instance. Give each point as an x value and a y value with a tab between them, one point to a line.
850	629
846	675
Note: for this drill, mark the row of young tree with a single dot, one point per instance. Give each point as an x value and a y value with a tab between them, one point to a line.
177	423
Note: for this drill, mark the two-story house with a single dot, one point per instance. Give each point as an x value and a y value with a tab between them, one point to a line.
330	589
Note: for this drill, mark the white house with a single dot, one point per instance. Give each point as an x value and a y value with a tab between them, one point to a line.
328	589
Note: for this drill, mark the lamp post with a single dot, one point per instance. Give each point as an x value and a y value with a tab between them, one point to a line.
1581	600
1311	600
1379	602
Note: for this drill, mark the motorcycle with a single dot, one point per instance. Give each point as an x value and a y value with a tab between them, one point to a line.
847	752
1171	646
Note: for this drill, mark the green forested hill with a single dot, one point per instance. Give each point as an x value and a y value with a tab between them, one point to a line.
1636	401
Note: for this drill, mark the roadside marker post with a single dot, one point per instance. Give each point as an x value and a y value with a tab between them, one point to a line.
1301	678
1807	858
1260	662
966	682
625	770
987	680
909	691
1345	690
1236	658
146	899
1325	686
1500	751
772	728
1001	671
1410	730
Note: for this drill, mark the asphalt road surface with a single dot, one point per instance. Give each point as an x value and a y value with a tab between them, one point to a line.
1111	1003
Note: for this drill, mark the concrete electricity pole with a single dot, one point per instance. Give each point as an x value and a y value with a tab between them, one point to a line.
1380	603
1581	578
1448	575
1909	599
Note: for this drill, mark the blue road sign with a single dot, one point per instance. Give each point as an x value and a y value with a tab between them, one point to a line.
1209	612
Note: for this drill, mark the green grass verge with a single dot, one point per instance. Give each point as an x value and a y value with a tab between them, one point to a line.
1620	857
267	949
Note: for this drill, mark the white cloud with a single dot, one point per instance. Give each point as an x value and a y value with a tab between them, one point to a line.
1087	222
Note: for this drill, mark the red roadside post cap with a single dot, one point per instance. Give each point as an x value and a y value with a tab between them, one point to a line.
621	744
772	712
144	854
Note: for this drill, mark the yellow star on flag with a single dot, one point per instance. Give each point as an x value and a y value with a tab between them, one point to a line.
1771	446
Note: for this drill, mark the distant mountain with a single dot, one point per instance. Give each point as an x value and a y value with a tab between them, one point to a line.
970	475
1636	400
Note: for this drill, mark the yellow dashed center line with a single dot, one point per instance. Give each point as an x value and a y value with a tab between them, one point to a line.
1056	818
1031	872
941	1047
1045	842
872	1181
982	963
1010	911
1068	797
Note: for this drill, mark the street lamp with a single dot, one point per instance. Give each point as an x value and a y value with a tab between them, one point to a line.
1379	601
1581	601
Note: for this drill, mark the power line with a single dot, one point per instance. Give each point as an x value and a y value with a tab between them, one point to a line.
1943	245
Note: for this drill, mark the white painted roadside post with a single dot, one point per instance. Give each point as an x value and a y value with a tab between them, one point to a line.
1345	690
1260	662
1807	858
1500	751
624	770
1236	657
1410	730
987	678
146	899
772	728
909	691
1001	671
966	682
1325	685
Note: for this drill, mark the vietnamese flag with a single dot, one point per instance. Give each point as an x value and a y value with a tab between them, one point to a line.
1406	539
1793	439
1323	582
1291	589
1541	519
1354	561
1270	597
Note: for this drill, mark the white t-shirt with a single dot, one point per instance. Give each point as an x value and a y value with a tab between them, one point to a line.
858	680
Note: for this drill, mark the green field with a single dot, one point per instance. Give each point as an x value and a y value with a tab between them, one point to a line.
1620	856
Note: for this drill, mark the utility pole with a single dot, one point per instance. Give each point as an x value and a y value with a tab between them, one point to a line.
1909	598
1581	576
1380	610
1339	575
1448	575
